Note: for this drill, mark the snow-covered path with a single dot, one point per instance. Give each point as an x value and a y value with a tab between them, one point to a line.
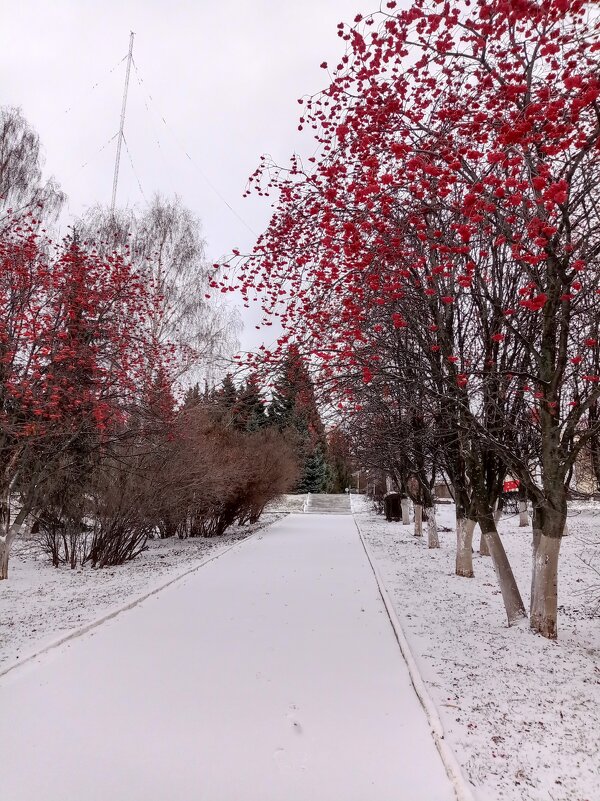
271	674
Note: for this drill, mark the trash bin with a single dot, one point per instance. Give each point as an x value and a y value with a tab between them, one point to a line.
392	506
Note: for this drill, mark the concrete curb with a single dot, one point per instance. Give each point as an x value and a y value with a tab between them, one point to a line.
130	604
462	788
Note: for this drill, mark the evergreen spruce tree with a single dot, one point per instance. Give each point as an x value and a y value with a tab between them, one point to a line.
227	393
316	474
222	401
340	460
192	397
250	407
293	404
294	408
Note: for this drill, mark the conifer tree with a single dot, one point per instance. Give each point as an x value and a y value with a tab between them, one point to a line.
294	408
340	461
316	474
293	404
250	407
227	393
192	397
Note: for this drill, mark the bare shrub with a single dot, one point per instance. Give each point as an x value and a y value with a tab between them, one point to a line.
272	470
120	499
98	514
210	476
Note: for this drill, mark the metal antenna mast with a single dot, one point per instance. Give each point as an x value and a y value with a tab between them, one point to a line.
122	125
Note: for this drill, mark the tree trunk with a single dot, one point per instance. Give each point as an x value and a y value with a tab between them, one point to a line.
483	545
4	551
7	540
464	547
418	520
459	516
536	535
433	540
405	512
497	511
548	525
513	603
523	515
544	595
594	443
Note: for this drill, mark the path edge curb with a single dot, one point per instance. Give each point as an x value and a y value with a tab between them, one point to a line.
462	787
138	599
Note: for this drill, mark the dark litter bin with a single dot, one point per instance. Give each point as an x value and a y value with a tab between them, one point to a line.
392	507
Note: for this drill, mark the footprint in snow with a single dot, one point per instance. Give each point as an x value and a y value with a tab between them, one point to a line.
291	716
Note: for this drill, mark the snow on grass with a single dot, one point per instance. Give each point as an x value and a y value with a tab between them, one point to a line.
41	603
288	503
522	713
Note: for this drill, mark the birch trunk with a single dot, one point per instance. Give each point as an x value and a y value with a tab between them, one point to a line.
464	547
405	512
433	540
418	520
544	595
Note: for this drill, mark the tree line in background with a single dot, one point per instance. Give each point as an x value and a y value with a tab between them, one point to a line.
289	407
99	334
438	258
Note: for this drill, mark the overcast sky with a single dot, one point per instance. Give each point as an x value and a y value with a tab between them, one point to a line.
225	75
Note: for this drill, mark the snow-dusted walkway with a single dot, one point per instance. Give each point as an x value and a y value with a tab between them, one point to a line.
271	674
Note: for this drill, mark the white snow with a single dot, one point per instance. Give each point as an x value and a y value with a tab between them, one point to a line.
522	713
41	604
270	674
288	503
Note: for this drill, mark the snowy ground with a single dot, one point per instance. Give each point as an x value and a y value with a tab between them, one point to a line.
521	713
270	674
41	603
288	503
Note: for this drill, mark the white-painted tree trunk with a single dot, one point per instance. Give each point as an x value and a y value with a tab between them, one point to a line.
405	512
513	603
544	586
464	547
497	512
483	546
7	540
566	529
418	520
523	515
433	540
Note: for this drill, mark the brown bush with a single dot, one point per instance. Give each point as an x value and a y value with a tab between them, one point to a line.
195	478
212	476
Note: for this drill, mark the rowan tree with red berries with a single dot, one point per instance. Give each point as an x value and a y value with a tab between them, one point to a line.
75	357
454	138
96	335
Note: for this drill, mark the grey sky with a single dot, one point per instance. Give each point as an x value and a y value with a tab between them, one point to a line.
224	75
